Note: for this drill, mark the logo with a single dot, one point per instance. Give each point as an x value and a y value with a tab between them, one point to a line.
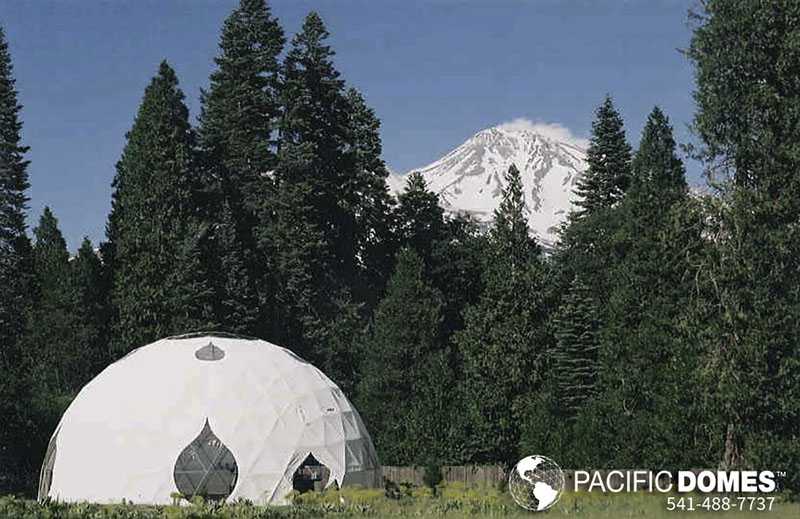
536	483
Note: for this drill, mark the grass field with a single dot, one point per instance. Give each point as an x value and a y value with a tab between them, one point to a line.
453	501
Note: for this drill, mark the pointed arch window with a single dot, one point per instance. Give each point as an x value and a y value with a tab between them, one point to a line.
206	467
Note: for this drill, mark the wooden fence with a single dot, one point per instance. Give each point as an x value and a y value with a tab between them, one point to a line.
471	474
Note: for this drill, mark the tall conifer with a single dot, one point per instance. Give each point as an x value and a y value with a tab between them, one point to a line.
237	139
645	360
747	99
316	123
152	221
369	200
15	277
14	244
91	296
504	341
405	337
419	218
656	168
328	193
575	355
609	161
50	337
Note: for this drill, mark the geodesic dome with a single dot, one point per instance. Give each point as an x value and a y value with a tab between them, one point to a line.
218	416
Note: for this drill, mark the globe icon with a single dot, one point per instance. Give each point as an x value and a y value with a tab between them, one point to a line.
536	483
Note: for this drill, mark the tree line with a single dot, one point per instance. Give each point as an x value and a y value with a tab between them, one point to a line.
659	333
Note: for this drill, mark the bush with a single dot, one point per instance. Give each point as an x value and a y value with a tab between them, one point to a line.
432	477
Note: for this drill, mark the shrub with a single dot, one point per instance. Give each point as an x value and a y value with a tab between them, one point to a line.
432	477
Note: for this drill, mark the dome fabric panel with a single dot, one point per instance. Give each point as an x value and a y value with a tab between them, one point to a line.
122	435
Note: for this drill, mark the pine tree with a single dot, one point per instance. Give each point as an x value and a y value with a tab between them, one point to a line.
15	277
315	109
151	220
646	361
405	336
315	312
13	204
657	172
91	300
237	303
300	256
586	247
369	201
50	335
452	248
189	290
241	108
455	269
321	221
510	234
237	140
316	123
504	341
746	99
609	161
50	255
419	217
575	356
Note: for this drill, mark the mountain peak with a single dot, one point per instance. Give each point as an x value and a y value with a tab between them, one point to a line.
469	179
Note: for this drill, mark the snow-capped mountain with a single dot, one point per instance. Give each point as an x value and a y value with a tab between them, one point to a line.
469	178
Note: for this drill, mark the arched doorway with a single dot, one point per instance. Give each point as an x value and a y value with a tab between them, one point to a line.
310	475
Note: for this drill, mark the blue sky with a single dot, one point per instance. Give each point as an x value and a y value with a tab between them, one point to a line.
435	71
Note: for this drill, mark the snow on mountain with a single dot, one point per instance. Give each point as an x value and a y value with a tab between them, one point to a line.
469	178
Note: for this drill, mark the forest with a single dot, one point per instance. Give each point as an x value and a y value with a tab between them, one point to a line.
661	332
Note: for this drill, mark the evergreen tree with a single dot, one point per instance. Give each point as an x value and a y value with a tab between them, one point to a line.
586	246
15	276
746	100
327	195
309	79
50	335
14	266
300	257
91	304
50	255
419	217
316	123
657	172
152	219
51	350
452	249
237	303
315	313
504	340
66	335
369	200
237	139
455	269
404	339
240	110
646	361
609	161
510	234
189	291
575	356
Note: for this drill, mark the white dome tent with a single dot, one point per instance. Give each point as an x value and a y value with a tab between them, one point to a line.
214	415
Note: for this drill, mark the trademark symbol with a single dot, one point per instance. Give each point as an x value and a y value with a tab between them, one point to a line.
781	474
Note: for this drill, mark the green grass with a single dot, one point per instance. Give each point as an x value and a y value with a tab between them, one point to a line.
454	501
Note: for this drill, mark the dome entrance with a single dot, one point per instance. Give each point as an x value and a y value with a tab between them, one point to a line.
206	467
310	475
